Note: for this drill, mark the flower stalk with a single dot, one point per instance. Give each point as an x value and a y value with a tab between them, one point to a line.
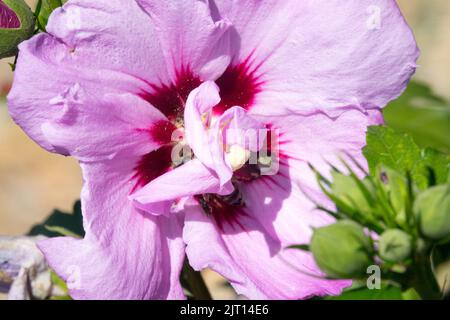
423	279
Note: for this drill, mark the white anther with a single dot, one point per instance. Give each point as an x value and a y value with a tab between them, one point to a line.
237	156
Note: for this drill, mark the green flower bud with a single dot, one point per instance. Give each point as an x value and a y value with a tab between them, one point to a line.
395	245
342	250
16	25
432	209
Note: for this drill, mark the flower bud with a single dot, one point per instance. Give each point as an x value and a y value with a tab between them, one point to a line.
342	250
395	245
16	25
432	209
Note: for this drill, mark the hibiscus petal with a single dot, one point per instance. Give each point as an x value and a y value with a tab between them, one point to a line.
190	179
321	54
320	140
240	128
278	214
125	254
316	140
110	34
248	261
197	116
46	75
95	45
84	130
190	37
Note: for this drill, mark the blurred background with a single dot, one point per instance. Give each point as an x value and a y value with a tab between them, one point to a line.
33	182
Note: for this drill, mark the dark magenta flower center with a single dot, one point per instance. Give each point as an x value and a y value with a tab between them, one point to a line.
238	87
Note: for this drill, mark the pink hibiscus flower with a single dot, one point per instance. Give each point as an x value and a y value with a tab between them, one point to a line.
113	80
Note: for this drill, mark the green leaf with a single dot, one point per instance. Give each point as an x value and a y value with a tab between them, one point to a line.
399	152
62	231
347	189
303	247
61	224
396	188
410	294
43	10
60	283
440	163
57	281
385	293
423	115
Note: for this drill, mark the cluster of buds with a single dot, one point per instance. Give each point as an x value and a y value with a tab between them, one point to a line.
17	23
383	219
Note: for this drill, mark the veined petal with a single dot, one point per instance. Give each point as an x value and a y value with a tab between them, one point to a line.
111	262
190	37
197	117
47	75
250	249
316	140
91	129
253	262
239	128
320	140
311	54
110	34
190	179
98	46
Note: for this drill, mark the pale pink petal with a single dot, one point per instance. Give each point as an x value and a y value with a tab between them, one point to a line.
105	47
233	127
46	75
190	179
255	264
321	54
110	35
91	129
125	254
320	140
196	116
206	143
240	128
316	140
189	36
282	209
277	213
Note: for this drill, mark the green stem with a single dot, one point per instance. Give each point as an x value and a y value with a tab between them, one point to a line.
424	281
196	283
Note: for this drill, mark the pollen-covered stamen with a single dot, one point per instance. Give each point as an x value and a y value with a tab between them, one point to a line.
237	156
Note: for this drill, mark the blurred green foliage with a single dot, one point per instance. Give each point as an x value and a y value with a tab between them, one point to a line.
61	224
399	152
361	292
43	10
